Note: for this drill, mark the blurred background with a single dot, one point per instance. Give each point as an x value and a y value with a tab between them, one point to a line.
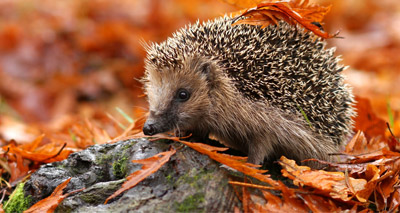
64	59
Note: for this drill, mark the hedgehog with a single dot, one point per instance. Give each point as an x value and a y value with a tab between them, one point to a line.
264	91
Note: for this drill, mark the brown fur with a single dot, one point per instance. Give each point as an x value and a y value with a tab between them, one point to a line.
216	107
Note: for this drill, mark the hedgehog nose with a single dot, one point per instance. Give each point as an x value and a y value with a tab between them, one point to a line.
148	129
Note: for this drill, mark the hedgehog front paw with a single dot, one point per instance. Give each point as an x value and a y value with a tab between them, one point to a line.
256	155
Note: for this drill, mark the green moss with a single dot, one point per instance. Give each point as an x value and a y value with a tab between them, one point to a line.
194	178
191	203
127	146
89	198
103	159
18	201
169	179
60	166
97	193
120	167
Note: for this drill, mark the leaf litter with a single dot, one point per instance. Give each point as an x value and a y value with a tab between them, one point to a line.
365	175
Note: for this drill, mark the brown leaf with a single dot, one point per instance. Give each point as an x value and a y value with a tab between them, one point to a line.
384	189
296	11
150	165
50	203
18	169
275	204
288	203
395	201
372	176
46	153
319	204
234	162
357	144
367	121
333	184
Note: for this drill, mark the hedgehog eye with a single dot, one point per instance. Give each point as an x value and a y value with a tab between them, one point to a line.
182	95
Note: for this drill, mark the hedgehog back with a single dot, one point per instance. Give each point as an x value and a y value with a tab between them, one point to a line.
281	65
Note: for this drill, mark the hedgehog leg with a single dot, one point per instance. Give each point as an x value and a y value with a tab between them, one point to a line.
256	154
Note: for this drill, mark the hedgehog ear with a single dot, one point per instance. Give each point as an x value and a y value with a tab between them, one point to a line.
204	66
207	68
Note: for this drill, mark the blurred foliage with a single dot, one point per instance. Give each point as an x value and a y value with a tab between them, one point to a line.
65	65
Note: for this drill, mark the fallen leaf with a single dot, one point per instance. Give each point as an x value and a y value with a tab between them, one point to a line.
372	176
367	121
18	168
235	162
288	203
50	203
319	204
45	154
395	201
332	184
295	11
150	165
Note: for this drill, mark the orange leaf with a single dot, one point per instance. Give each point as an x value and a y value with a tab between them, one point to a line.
150	165
372	174
319	204
18	169
367	121
335	184
234	162
50	203
288	203
34	144
386	187
46	153
395	201
243	3
246	199
293	200
274	202
357	144
269	12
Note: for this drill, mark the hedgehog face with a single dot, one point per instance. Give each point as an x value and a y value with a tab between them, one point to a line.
178	97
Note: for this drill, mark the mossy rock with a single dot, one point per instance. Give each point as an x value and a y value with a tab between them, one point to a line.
189	182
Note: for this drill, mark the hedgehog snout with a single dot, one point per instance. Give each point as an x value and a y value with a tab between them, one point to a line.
149	129
158	123
152	127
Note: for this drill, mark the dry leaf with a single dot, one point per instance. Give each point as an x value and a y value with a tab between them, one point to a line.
50	203
367	121
296	11
234	162
150	166
288	203
334	184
